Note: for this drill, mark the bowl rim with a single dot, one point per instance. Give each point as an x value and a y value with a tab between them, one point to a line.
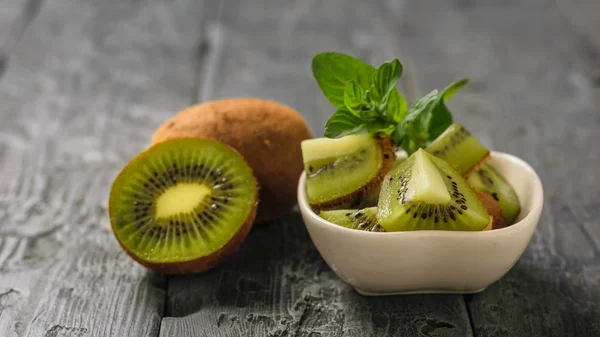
535	209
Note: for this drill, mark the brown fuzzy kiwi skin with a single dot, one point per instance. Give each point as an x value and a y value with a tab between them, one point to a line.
493	208
267	134
388	156
203	263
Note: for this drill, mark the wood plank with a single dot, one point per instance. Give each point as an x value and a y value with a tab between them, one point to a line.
532	94
15	17
84	89
277	284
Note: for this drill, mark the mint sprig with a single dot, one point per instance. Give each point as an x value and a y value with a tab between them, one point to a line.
367	101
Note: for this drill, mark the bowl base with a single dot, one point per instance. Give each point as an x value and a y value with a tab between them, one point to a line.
414	292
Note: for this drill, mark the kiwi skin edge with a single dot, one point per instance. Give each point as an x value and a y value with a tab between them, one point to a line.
203	263
388	157
493	209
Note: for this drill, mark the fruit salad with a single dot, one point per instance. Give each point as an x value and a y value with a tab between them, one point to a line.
384	165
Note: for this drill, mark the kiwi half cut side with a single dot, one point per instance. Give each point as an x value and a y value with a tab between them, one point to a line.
459	148
486	179
426	193
183	205
361	219
341	172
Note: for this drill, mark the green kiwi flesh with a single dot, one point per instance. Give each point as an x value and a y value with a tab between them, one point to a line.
459	148
486	179
183	204
426	193
363	219
346	171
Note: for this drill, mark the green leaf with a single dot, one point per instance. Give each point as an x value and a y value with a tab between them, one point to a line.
396	106
428	117
440	117
418	111
355	98
453	88
343	123
380	126
332	70
386	77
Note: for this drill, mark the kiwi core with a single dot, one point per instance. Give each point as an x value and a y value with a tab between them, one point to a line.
181	198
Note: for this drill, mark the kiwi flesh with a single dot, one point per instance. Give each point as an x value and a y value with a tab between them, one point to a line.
486	179
459	148
183	205
426	193
360	219
345	172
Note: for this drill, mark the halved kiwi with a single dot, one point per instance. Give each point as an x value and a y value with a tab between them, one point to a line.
340	173
459	148
183	205
486	179
361	219
426	193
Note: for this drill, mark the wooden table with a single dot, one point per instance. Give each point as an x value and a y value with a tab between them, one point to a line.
84	83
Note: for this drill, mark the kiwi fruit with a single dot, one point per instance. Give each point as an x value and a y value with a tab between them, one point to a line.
493	208
343	172
266	133
183	205
459	148
361	219
426	193
486	179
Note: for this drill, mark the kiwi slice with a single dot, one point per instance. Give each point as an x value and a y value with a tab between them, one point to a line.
493	208
486	179
426	193
183	205
342	172
363	219
459	148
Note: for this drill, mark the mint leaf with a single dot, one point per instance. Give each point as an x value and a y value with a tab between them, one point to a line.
453	88
386	77
355	98
428	117
380	126
332	70
440	117
415	119
396	108
389	101
343	123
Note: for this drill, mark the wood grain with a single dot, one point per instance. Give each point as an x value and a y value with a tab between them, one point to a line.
84	89
277	284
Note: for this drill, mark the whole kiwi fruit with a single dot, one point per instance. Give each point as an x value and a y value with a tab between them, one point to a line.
266	133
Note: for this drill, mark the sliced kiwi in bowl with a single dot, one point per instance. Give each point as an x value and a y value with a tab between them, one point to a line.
343	172
183	205
426	193
487	180
361	219
459	148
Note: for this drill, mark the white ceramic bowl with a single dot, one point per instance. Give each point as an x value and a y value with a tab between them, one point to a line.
429	261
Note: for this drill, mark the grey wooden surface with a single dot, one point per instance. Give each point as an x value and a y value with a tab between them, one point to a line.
84	83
